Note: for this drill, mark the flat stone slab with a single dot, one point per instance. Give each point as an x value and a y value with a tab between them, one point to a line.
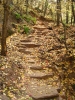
25	40
24	51
35	67
21	46
30	36
30	56
40	28
31	61
40	75
42	92
30	45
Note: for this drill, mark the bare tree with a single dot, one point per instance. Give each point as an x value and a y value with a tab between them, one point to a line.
67	12
58	11
27	3
73	11
4	28
45	8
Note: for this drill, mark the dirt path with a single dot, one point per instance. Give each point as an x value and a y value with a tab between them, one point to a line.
43	81
33	57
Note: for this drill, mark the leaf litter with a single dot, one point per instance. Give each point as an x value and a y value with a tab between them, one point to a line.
13	67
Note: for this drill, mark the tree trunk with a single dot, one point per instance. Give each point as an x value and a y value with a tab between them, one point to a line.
58	11
45	8
73	11
26	7
67	12
4	30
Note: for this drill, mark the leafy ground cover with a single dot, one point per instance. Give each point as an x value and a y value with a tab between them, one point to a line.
51	53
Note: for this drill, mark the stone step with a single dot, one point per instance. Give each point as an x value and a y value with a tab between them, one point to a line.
31	61
24	45
35	67
39	75
25	40
30	37
39	28
30	45
21	46
30	56
24	51
28	40
44	92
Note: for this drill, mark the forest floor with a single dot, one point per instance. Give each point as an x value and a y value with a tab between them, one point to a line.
33	62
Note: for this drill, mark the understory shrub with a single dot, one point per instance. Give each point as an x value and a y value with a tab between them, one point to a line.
29	18
18	16
26	29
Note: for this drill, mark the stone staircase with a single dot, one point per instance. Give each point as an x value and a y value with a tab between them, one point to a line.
43	82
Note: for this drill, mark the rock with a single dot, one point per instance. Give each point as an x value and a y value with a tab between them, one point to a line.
39	28
42	92
31	61
30	45
4	97
30	37
30	56
35	67
24	51
40	75
21	46
25	40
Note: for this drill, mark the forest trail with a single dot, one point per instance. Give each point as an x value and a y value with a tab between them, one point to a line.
43	80
30	65
39	63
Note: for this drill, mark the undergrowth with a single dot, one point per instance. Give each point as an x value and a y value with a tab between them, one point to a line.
29	18
18	16
26	30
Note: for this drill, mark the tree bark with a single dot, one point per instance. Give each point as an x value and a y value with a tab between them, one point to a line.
73	11
67	12
27	3
58	11
4	30
45	8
